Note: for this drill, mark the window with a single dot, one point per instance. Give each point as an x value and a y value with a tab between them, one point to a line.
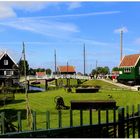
5	62
120	72
127	70
8	73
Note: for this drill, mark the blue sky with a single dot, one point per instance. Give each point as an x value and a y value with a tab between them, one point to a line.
66	26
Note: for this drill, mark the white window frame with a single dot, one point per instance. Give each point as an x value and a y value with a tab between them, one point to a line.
127	70
8	73
5	62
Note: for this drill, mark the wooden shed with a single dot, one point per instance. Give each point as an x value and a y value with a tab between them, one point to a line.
66	70
129	68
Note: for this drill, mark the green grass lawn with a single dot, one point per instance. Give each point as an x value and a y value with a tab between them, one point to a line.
44	101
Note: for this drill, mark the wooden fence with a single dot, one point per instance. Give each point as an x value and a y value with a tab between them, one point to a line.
124	125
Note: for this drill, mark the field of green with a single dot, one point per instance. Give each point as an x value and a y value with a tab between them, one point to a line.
44	101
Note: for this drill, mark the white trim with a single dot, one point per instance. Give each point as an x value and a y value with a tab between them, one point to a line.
131	65
137	60
9	56
122	60
127	67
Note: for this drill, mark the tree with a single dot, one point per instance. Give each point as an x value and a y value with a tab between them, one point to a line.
32	71
100	70
21	67
93	72
48	71
106	70
115	69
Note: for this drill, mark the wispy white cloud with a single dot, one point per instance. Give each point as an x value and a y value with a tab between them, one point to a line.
130	50
92	42
8	9
118	30
49	27
44	27
137	41
74	5
78	15
6	12
33	6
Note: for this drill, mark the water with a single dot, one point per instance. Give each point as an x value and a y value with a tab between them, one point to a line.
33	88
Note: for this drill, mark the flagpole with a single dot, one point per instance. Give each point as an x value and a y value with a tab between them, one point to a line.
28	113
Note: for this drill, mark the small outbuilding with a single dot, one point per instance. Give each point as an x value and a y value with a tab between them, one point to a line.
64	70
40	74
129	68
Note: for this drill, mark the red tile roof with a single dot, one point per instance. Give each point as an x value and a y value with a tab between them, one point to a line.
40	73
130	60
66	69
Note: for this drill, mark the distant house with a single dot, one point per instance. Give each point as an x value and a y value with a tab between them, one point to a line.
9	71
129	68
40	74
115	74
66	70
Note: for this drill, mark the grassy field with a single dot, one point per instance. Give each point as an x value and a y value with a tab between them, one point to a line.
44	101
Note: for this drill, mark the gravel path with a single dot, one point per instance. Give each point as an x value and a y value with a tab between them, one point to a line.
117	84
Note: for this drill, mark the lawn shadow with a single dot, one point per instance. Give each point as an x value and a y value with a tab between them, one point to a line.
16	101
11	114
6	102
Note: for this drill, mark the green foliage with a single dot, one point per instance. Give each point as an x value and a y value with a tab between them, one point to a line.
101	70
48	71
94	72
21	67
115	69
33	71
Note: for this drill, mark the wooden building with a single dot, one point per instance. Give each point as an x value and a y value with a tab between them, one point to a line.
40	74
64	70
129	68
9	71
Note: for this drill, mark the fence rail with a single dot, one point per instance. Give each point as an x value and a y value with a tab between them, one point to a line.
124	125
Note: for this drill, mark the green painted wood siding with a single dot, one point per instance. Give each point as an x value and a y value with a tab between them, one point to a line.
134	74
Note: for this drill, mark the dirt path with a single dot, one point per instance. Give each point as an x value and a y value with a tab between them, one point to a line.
117	84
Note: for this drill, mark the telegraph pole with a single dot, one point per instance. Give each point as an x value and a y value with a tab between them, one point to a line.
96	64
67	74
121	45
28	113
55	60
84	60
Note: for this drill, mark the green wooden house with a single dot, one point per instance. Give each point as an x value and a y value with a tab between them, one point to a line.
129	69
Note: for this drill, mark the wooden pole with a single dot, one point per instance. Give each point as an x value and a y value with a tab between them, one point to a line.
55	60
96	64
84	61
55	67
67	75
28	113
46	84
121	45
